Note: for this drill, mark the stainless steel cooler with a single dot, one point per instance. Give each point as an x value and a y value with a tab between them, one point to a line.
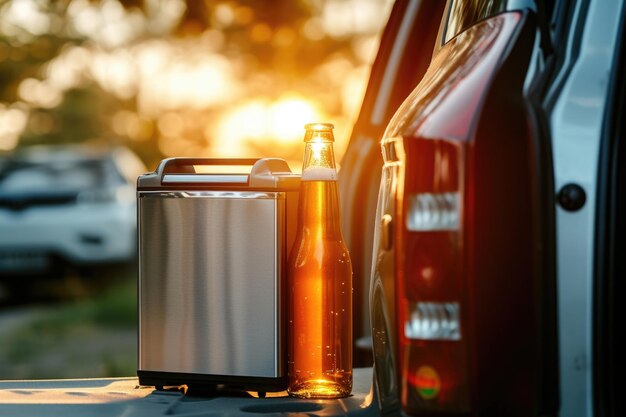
212	253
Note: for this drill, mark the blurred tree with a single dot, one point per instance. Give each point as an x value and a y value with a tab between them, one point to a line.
123	71
82	115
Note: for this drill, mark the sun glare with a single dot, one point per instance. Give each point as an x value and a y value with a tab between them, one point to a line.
280	121
287	117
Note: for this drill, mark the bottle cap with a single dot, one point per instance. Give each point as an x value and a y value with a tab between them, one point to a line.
319	126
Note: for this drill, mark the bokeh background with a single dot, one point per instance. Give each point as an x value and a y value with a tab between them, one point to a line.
176	78
161	78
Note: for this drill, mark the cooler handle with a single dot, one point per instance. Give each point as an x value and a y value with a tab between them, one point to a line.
265	173
185	165
181	170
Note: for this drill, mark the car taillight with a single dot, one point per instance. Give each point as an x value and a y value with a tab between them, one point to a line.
433	344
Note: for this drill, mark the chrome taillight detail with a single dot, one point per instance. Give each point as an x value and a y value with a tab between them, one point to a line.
433	321
433	211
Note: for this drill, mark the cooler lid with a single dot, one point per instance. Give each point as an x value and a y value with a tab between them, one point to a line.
221	173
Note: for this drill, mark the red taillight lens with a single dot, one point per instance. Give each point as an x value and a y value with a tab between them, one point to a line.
433	346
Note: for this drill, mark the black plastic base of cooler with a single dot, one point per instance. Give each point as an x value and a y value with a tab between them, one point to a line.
211	383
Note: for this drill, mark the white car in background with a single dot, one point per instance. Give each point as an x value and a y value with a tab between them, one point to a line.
66	205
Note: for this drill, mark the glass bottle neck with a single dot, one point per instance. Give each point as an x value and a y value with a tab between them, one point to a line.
319	215
319	197
319	160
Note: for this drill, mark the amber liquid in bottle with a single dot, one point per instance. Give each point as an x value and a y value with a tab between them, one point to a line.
320	281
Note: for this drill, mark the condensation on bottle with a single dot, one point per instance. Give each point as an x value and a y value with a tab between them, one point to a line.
320	280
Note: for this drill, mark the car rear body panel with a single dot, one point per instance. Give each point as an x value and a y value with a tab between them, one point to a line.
473	94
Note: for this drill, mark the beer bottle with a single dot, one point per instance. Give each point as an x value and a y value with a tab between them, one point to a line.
320	280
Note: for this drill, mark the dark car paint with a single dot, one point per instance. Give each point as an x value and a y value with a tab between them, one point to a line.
539	377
